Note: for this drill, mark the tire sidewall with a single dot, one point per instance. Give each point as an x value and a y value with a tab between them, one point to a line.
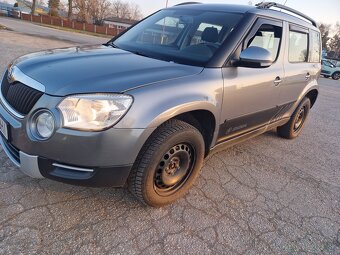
336	74
305	103
190	136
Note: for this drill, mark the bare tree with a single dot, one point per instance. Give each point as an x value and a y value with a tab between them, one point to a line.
324	30
31	5
134	12
126	10
53	6
334	42
99	9
70	7
95	11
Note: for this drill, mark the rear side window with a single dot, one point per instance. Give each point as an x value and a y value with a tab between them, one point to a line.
298	47
315	49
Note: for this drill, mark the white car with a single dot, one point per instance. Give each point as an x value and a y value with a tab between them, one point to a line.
330	70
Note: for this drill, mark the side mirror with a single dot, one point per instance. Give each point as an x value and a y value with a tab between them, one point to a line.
256	57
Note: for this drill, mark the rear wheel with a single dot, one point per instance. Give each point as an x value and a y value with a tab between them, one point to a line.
293	128
336	76
168	164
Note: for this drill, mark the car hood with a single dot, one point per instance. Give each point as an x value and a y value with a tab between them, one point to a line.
90	69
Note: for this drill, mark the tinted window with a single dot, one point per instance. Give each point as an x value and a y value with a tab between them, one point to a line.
315	49
298	46
197	38
180	35
268	37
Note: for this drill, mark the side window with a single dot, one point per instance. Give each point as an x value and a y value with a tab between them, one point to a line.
315	49
298	47
269	38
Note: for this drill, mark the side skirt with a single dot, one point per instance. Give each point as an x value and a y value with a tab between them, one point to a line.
245	136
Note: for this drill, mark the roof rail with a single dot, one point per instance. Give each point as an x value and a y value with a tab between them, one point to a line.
185	3
267	5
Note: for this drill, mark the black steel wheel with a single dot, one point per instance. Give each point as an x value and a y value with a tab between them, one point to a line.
174	168
293	128
168	164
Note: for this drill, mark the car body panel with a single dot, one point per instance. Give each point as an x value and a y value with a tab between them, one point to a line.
243	101
96	69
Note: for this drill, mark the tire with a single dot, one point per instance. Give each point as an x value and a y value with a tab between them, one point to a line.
293	128
326	76
168	164
336	76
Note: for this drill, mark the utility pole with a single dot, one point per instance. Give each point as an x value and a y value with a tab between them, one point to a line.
166	4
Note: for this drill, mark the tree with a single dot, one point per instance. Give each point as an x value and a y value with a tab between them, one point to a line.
324	30
70	7
53	6
99	10
95	11
31	5
125	10
334	42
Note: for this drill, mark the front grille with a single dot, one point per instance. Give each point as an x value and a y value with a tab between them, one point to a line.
12	150
19	96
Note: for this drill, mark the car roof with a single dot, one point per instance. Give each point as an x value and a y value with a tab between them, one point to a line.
235	8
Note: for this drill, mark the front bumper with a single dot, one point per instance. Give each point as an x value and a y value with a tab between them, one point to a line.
38	167
76	157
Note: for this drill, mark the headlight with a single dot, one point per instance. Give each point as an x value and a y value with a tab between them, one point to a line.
93	112
43	125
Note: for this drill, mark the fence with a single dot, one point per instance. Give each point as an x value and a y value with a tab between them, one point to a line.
56	21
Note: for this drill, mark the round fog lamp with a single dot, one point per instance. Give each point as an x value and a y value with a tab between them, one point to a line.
44	125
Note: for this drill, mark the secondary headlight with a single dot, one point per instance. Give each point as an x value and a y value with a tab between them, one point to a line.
42	124
94	112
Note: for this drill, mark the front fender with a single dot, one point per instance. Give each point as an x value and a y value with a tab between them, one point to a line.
157	103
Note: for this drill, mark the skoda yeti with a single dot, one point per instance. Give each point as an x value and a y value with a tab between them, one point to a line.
146	108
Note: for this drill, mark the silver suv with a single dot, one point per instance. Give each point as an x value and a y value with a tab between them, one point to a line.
146	108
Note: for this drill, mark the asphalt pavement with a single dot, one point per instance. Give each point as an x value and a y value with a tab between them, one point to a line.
265	196
28	28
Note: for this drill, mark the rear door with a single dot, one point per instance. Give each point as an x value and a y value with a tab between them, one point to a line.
251	94
302	62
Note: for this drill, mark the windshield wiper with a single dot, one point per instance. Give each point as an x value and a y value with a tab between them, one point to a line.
112	44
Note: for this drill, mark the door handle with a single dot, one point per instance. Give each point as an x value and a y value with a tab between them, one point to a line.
277	81
307	76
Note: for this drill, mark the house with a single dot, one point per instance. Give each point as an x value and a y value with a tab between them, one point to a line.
119	23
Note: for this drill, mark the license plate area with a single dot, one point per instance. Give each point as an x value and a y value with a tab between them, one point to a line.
3	128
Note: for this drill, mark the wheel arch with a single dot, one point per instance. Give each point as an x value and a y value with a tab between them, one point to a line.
312	95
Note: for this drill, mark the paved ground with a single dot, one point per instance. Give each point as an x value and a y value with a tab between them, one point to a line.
28	28
265	196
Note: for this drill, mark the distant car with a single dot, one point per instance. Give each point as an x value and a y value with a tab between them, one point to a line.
330	70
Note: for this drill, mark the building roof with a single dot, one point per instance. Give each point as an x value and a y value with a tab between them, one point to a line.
124	21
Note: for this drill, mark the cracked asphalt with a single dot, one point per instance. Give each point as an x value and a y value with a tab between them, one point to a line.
264	196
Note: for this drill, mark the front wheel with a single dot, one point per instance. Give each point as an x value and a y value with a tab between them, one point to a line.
336	76
168	164
293	128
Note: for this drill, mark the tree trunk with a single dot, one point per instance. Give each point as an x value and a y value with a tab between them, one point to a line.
69	9
33	6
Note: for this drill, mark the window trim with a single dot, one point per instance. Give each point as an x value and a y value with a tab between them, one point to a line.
263	21
311	42
302	30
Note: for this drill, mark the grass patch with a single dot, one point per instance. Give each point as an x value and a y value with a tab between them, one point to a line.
73	30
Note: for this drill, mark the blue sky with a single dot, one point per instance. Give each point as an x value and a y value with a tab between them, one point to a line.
326	11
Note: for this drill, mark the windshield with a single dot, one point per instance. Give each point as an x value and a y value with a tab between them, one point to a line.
183	36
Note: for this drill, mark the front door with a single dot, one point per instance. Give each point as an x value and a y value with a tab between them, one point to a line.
251	94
